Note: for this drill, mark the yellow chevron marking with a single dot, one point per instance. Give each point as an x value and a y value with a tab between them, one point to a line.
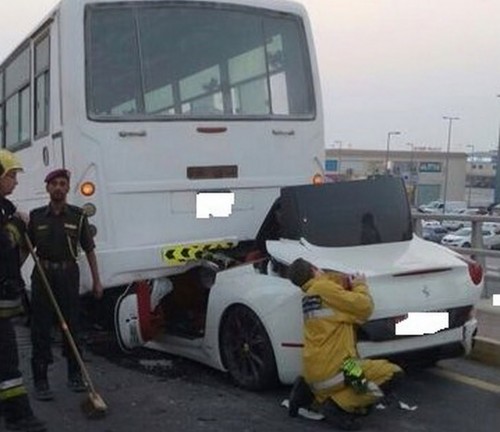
182	253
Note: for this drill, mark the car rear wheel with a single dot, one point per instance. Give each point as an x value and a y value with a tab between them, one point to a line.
246	349
466	245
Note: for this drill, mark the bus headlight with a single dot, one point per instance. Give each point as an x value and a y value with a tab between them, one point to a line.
87	189
93	230
89	209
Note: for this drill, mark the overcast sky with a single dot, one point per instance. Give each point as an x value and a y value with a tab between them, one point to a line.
385	65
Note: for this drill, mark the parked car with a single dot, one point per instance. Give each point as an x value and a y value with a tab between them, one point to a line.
247	319
431	223
454	225
438	206
493	209
474	211
434	233
462	237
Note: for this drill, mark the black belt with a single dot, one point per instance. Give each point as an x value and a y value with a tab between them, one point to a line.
56	265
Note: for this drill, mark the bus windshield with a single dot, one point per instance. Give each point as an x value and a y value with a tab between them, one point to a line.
167	60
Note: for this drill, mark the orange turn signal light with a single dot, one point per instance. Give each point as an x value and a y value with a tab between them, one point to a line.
87	189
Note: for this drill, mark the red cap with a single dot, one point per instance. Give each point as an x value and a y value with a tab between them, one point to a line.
57	173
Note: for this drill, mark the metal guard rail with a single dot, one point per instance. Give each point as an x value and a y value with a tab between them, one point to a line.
477	250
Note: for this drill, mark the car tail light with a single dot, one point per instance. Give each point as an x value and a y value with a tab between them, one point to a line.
475	272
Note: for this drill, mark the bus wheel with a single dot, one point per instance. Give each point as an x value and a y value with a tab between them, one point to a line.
246	349
97	321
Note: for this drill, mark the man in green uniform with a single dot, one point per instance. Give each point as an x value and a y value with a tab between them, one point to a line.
56	231
333	304
14	402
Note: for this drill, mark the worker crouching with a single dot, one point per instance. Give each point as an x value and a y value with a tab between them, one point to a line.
344	386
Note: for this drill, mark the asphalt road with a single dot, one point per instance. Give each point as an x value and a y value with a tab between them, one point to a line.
160	393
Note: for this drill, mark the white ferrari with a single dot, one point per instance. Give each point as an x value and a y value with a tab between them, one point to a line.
244	316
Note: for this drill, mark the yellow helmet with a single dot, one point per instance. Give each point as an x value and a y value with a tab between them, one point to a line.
8	162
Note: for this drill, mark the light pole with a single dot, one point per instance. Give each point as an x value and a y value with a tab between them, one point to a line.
445	191
497	175
412	185
388	147
340	156
470	172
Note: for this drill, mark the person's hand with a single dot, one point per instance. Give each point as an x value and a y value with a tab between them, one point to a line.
357	278
97	290
317	271
346	280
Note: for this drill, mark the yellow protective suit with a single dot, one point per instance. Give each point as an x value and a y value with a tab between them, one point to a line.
331	313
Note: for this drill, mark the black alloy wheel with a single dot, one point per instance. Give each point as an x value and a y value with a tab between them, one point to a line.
246	349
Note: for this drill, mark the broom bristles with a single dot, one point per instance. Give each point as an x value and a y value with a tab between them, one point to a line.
94	406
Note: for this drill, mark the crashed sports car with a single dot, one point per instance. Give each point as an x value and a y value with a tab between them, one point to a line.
243	316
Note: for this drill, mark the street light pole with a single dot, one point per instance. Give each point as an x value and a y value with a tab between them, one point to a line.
445	191
387	151
497	175
412	185
340	156
470	172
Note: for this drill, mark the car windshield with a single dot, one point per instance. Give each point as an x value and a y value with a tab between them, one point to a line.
463	232
347	213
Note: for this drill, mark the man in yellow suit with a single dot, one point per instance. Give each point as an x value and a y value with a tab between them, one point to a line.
333	305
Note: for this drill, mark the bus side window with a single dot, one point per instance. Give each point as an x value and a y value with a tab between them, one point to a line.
42	88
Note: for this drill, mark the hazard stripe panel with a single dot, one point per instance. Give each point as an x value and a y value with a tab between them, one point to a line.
182	253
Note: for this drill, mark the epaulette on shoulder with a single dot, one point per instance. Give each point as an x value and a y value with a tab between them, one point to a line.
75	209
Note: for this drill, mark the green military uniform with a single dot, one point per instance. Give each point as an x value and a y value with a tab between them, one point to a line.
57	238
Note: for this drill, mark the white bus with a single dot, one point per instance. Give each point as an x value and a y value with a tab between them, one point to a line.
154	106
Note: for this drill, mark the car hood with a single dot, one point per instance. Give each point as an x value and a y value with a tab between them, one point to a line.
372	260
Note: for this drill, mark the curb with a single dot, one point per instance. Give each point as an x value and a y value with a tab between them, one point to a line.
486	350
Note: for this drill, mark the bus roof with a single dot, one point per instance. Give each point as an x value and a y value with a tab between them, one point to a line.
286	5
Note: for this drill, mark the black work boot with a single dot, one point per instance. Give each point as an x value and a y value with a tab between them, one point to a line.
339	418
19	415
75	381
26	424
42	388
301	396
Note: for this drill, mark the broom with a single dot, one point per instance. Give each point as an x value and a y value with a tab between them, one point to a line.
94	405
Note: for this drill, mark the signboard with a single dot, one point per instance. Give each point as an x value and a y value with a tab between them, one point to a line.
429	167
331	164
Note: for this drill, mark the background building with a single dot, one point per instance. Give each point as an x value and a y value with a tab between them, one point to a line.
481	169
424	172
